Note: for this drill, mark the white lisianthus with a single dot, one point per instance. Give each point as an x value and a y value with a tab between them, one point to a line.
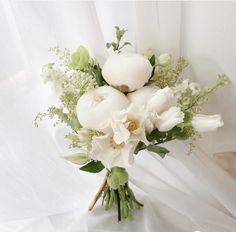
112	154
204	123
94	108
129	125
164	59
141	96
162	100
127	71
169	119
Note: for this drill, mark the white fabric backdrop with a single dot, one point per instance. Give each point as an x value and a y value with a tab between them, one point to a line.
39	191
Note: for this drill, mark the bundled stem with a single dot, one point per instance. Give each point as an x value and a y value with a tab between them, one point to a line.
122	197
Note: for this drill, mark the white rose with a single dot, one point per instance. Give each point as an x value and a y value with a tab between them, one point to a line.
203	123
127	71
95	107
141	96
162	100
169	119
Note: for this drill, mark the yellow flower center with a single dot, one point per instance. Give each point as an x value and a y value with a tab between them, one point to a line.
114	145
133	124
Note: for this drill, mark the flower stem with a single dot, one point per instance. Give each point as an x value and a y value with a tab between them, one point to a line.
118	204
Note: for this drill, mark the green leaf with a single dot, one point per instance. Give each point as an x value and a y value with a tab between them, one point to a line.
161	151
93	166
119	33
152	60
98	75
139	147
78	158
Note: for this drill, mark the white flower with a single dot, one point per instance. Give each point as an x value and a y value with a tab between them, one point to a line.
112	154
162	100
195	87
129	125
127	71
169	119
141	96
94	108
203	123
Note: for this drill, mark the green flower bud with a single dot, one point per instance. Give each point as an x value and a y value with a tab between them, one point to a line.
164	59
80	59
117	177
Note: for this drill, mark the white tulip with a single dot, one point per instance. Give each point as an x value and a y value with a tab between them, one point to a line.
204	123
169	119
162	100
112	154
141	96
127	71
95	107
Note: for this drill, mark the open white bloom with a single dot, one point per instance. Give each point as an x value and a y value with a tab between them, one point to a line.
169	119
129	125
127	71
162	100
204	123
141	96
95	107
111	154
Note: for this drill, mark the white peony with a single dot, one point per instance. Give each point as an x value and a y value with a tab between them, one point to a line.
112	154
162	100
204	123
141	96
129	125
170	118
127	71
94	108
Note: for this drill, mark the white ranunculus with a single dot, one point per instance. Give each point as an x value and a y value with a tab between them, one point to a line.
162	100
204	123
127	71
95	107
141	96
169	119
129	125
111	154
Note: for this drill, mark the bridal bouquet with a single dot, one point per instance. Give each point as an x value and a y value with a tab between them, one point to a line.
132	102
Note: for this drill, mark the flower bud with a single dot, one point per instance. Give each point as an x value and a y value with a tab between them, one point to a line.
117	177
164	59
204	123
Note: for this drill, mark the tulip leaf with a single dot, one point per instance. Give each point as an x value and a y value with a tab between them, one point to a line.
93	166
161	151
77	158
139	147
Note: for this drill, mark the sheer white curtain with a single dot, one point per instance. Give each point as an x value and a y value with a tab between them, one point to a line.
39	191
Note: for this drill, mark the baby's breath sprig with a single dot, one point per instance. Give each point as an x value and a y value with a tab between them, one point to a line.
169	75
195	104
